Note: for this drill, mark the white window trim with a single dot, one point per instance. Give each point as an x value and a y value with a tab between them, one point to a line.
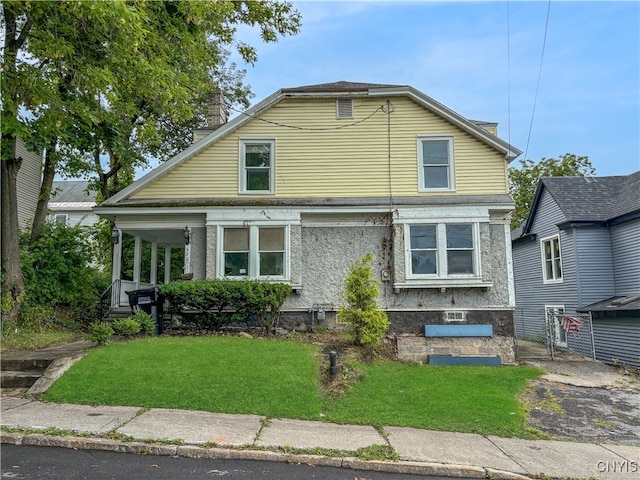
441	254
254	254
451	167
543	261
242	177
66	218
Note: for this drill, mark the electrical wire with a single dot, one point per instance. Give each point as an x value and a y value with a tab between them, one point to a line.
318	129
535	99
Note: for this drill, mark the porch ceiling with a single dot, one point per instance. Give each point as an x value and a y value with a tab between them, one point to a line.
173	238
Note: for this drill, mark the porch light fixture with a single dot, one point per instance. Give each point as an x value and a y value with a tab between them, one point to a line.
115	235
186	233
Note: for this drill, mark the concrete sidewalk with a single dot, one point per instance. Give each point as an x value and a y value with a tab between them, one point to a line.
191	433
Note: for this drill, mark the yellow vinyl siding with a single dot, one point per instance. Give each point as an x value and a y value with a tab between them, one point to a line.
346	162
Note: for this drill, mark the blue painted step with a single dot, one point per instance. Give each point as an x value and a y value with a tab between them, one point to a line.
490	361
458	330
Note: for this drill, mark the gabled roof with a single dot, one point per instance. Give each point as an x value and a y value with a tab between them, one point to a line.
336	89
339	87
594	200
71	192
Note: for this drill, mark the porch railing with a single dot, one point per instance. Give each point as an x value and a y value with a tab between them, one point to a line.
109	298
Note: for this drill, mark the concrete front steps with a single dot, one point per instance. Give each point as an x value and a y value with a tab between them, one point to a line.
22	373
22	369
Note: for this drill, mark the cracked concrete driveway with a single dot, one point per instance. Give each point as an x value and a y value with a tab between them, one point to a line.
586	401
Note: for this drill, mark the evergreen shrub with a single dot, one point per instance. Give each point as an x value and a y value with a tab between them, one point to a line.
368	322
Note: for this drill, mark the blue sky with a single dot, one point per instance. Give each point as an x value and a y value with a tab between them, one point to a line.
482	59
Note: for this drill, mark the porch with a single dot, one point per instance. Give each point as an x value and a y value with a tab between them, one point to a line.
145	258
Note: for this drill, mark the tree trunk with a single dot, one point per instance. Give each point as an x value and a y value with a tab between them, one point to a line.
12	281
48	174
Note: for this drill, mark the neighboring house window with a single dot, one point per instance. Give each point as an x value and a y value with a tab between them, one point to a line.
254	252
344	108
257	160
435	163
551	259
61	219
443	250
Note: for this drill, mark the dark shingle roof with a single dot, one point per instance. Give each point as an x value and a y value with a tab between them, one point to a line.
71	191
595	199
338	87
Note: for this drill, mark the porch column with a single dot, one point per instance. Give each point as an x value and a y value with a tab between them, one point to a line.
116	267
116	261
167	265
187	250
187	258
137	257
154	263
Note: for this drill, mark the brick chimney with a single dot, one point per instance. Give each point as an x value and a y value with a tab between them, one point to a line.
216	111
216	116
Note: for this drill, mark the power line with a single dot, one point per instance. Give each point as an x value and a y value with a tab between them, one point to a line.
318	129
535	99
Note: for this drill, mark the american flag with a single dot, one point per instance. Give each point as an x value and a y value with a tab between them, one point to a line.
572	324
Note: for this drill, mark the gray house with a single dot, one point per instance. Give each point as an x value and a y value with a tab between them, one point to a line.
579	251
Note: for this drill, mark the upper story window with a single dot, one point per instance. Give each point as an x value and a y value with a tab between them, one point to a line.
551	260
443	250
435	163
257	163
62	218
254	252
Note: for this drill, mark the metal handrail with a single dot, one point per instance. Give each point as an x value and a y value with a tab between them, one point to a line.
109	298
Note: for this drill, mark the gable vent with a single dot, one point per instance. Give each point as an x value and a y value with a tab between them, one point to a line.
344	108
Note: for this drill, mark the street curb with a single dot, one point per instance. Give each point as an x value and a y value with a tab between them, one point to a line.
193	451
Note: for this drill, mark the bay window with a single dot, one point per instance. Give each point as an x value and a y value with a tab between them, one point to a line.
442	250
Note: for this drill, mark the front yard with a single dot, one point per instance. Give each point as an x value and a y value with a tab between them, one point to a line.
289	379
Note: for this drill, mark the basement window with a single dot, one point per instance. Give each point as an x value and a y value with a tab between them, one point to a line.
455	316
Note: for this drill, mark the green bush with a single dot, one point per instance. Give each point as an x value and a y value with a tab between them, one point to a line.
126	327
146	322
367	321
215	303
58	273
100	332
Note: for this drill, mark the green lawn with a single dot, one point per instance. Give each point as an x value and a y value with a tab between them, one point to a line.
217	374
281	379
458	399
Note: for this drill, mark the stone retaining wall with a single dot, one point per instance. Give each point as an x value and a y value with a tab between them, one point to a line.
417	348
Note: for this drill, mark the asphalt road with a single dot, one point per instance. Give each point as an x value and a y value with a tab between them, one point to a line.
20	462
